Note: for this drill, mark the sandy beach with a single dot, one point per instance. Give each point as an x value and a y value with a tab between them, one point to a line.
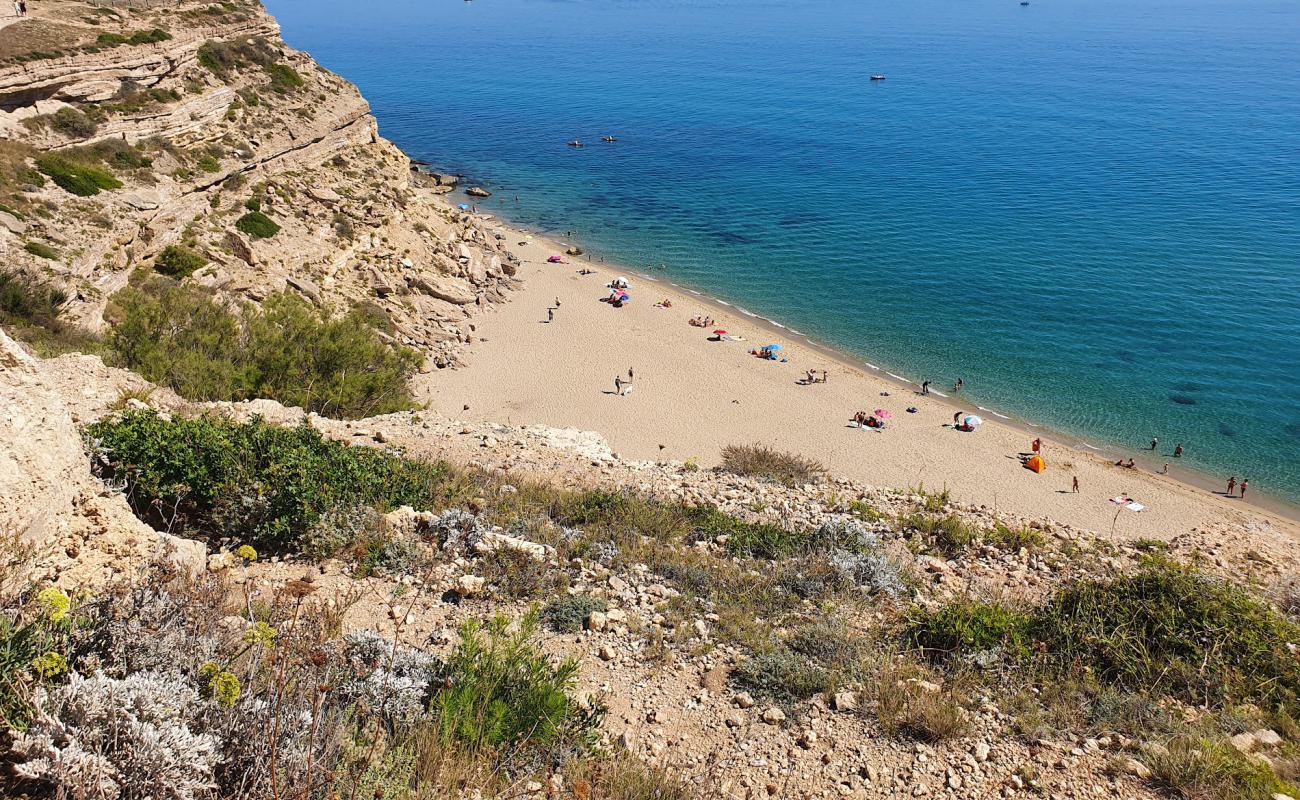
693	396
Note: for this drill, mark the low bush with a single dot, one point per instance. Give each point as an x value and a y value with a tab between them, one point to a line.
762	462
41	250
909	705
178	261
968	626
284	78
569	614
1170	629
285	350
210	163
1162	630
503	692
1194	766
949	533
257	225
82	180
1014	539
209	477
29	310
73	122
782	675
221	57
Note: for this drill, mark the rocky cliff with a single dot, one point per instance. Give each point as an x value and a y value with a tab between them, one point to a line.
195	116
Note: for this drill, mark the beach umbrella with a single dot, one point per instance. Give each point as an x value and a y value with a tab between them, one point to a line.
883	413
973	420
771	347
463	207
719	333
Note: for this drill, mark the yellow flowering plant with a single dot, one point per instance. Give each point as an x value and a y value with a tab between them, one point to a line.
55	602
50	665
246	552
260	633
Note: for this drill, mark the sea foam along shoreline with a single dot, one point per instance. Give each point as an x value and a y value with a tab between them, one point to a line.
525	382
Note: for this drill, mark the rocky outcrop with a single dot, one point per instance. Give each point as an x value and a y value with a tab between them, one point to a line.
356	223
82	532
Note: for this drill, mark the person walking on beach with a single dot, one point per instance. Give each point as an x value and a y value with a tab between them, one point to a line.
550	315
1232	484
1075	487
629	375
1178	451
618	385
1165	471
1036	445
1244	484
18	10
1154	442
925	387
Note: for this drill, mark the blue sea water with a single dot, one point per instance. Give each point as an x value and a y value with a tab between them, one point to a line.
1087	209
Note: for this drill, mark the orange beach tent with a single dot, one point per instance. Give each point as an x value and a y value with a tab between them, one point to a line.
1036	463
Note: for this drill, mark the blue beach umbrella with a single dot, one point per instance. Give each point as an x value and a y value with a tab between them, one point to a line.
771	347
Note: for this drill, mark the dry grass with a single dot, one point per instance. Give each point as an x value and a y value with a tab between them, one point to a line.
911	703
39	36
759	461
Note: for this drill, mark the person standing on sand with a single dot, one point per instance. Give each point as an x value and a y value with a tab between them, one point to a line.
550	315
925	387
1075	487
1036	445
1232	484
629	375
1154	442
557	302
618	385
1178	451
1165	471
1244	484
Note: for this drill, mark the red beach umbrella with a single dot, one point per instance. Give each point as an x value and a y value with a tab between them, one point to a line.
719	333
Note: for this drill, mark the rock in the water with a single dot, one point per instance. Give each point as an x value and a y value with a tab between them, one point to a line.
478	191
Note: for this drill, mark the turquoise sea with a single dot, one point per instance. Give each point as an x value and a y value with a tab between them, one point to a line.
1087	209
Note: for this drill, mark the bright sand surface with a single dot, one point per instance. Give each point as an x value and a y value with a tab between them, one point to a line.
693	396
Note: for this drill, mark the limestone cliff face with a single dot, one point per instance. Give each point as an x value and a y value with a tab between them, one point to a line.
203	113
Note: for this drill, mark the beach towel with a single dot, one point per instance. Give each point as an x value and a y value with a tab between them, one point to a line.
1124	502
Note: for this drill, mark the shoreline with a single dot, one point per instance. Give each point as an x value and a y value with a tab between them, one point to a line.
1179	479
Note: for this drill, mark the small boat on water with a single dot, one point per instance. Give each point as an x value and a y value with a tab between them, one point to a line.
608	138
576	143
877	77
1024	2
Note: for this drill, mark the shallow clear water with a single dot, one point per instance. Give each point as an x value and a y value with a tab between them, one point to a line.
1088	209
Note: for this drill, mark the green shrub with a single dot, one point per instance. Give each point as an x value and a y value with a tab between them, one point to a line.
210	163
222	57
1014	539
949	533
569	614
505	693
257	225
1163	630
781	675
967	626
178	261
82	180
149	37
41	250
29	309
27	298
1193	766
209	477
253	204
72	122
1174	630
286	350
765	463
283	78
108	39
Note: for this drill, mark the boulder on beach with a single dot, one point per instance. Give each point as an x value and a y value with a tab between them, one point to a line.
573	251
478	191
